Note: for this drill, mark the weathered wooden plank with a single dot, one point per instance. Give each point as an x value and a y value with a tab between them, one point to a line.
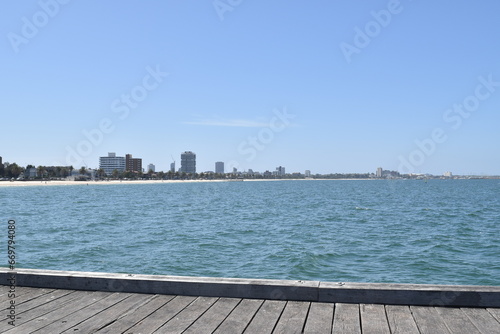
158	318
83	300
110	314
320	318
212	318
126	322
457	321
483	320
22	295
240	317
83	314
42	299
188	316
41	306
293	318
495	312
374	319
346	319
428	320
4	289
266	317
401	320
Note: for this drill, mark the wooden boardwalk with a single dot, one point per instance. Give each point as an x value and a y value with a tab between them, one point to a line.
41	310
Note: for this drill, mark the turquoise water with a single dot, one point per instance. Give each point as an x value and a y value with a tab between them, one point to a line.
439	232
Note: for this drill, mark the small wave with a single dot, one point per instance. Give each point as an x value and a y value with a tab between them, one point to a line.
361	208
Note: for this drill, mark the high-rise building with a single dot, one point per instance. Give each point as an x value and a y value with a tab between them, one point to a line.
219	167
308	173
280	171
188	162
133	164
151	167
380	172
112	162
172	167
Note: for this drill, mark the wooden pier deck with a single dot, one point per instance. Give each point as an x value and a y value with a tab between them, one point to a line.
40	310
102	303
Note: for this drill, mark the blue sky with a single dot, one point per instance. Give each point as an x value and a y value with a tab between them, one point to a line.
330	86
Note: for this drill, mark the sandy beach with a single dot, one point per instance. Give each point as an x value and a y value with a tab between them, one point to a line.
112	182
84	183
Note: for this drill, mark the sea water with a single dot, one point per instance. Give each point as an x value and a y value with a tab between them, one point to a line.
401	231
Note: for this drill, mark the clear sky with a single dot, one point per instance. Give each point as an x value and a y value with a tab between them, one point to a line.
326	85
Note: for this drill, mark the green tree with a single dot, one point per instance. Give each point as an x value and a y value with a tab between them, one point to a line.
101	173
40	171
58	171
64	172
83	171
13	170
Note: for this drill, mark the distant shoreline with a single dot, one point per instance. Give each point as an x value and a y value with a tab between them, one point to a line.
84	183
116	182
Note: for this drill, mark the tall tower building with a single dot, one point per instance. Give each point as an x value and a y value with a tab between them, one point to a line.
188	162
219	167
380	172
172	167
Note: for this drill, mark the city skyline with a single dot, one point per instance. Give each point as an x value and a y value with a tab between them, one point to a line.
375	170
324	86
188	165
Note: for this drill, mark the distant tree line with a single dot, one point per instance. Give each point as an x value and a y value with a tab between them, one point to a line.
14	171
10	170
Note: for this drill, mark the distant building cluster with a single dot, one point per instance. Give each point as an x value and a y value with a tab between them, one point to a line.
129	167
111	163
386	174
121	164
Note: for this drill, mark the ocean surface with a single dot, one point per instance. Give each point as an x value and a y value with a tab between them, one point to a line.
401	231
